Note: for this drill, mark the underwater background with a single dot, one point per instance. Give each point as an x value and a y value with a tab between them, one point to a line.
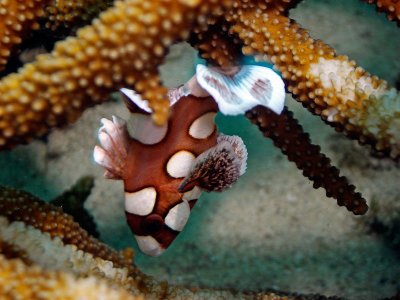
272	230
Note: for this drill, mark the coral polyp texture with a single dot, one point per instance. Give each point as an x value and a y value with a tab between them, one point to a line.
126	44
18	206
390	7
19	18
67	13
288	136
330	85
20	281
35	263
16	19
124	47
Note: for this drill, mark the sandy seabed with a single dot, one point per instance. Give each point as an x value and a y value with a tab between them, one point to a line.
272	230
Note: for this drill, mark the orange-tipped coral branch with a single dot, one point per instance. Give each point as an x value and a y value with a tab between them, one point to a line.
122	48
35	262
215	45
332	86
68	13
20	206
20	281
390	7
128	42
16	19
19	18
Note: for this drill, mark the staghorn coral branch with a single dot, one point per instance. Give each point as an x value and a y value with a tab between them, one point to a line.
20	281
67	13
283	6
218	46
17	18
124	49
285	131
51	262
29	225
390	7
215	45
37	247
24	282
288	136
345	96
121	48
20	206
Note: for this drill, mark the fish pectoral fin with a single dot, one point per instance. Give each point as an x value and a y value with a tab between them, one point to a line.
186	185
113	152
240	91
219	167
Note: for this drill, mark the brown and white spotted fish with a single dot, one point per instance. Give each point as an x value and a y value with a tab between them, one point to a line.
166	168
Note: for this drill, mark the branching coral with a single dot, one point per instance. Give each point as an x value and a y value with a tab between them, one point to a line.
16	19
19	206
390	7
19	281
284	130
19	18
119	49
128	42
67	13
122	49
48	237
332	86
37	265
288	135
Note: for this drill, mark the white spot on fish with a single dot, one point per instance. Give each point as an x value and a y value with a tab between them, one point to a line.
203	126
142	202
177	216
142	128
179	164
149	245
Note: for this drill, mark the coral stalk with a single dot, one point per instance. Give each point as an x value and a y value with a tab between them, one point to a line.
390	7
17	17
332	86
35	263
69	13
122	48
19	281
288	136
20	206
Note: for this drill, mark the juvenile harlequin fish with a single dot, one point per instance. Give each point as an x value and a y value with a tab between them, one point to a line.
165	169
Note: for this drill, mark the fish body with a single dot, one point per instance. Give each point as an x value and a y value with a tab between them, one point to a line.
166	168
155	170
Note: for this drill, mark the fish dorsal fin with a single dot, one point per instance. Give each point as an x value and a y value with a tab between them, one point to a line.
135	99
136	103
